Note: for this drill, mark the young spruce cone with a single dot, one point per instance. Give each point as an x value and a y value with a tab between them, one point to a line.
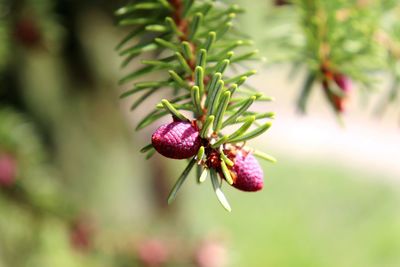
248	175
343	82
8	170
177	140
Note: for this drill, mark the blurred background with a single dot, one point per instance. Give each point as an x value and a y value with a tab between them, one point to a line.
75	191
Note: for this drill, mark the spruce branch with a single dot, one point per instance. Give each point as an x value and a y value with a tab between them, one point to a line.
336	43
194	42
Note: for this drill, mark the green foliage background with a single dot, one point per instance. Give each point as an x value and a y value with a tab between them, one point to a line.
78	157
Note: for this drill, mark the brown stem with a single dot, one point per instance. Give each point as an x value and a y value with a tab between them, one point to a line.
182	24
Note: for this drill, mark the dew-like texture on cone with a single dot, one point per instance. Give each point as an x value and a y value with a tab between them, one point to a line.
249	175
177	140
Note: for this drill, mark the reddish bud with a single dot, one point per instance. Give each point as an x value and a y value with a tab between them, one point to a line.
177	140
26	32
81	234
8	170
152	253
211	253
248	175
338	102
343	82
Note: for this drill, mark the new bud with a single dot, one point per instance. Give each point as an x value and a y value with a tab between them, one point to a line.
343	82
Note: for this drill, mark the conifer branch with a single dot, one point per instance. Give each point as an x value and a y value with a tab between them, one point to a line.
194	43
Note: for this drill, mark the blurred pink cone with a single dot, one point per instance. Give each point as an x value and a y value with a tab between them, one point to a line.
8	170
27	33
211	253
81	234
152	253
343	82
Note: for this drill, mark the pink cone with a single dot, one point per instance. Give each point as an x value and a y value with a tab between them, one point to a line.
343	82
152	253
249	175
177	140
82	233
211	253
27	32
8	170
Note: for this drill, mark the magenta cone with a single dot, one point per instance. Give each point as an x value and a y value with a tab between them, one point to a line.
177	140
8	170
249	175
343	82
